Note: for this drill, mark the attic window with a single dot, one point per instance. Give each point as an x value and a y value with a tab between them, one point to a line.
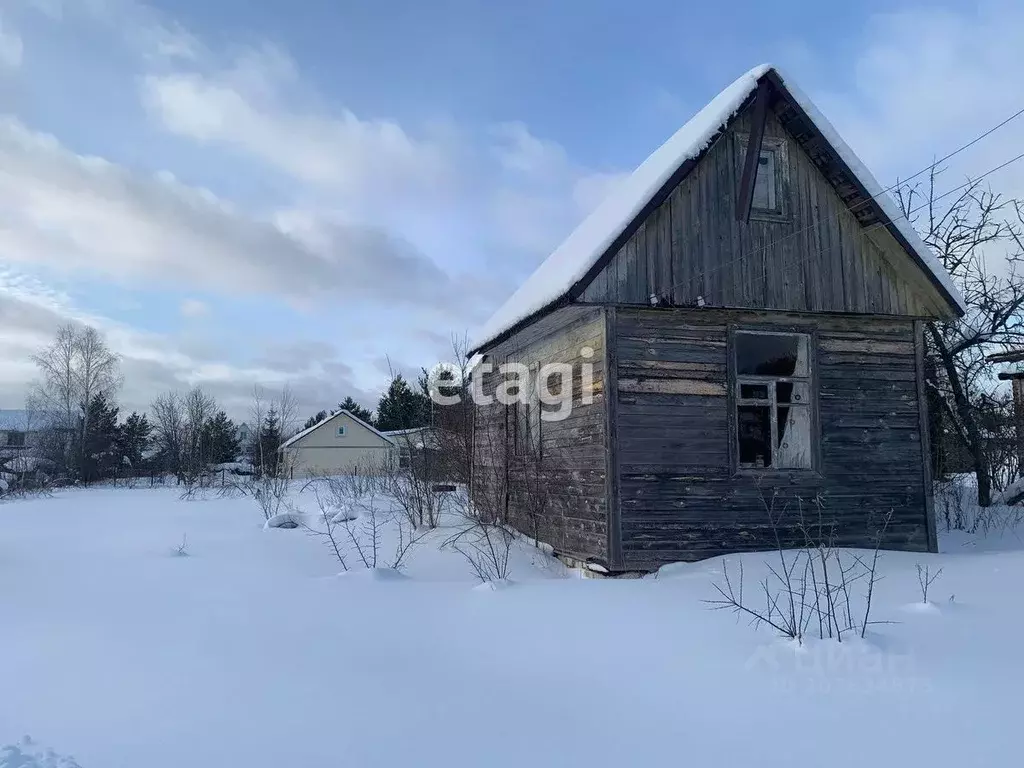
768	200
341	431
766	193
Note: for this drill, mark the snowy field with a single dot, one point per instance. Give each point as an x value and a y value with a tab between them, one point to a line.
251	651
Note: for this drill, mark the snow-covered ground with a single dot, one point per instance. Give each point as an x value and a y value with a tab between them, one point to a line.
119	647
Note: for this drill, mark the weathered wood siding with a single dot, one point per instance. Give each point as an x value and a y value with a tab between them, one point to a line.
680	497
571	469
817	257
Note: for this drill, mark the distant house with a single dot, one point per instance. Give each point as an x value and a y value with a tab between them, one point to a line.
749	306
243	433
413	442
20	430
339	444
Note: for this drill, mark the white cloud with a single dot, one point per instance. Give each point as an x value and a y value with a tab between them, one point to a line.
84	214
11	47
927	80
151	363
193	308
368	198
244	107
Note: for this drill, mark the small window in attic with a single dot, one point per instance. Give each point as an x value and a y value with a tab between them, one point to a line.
768	200
766	193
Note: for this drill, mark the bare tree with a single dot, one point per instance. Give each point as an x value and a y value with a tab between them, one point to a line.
75	368
964	233
57	390
98	371
169	435
281	408
198	408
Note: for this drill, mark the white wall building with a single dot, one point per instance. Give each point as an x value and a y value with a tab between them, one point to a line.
339	444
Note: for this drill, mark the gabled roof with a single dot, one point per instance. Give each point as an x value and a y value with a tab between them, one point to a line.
17	420
330	418
562	272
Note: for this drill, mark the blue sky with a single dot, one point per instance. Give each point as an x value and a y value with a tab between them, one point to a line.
307	192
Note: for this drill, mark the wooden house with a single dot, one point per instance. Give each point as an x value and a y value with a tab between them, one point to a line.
743	319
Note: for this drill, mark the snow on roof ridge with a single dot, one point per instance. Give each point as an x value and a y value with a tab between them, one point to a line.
570	262
323	421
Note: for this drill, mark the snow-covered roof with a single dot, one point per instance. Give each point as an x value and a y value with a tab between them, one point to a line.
404	432
21	420
570	262
332	417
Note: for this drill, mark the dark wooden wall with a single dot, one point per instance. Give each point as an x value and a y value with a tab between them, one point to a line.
679	497
572	466
818	258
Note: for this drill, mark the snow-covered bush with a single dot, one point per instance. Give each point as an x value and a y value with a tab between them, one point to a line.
286	520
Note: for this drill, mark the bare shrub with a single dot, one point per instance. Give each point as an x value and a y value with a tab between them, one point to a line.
949	498
271	492
412	487
182	549
925	579
354	519
485	546
808	587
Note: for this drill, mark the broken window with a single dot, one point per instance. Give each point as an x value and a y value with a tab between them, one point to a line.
773	389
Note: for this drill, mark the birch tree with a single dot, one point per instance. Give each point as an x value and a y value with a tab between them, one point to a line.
75	368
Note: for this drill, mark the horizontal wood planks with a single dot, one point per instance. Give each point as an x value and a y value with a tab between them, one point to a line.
679	496
816	257
571	472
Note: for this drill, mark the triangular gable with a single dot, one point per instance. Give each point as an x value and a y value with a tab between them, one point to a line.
568	270
328	420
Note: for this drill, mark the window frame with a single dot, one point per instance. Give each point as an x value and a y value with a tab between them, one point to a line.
341	431
777	145
526	416
734	401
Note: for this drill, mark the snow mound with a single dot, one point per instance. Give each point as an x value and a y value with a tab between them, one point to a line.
686	571
497	585
1012	494
28	754
374	574
343	515
25	464
922	608
287	520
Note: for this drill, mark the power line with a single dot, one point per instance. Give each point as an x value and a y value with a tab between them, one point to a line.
801	258
784	238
